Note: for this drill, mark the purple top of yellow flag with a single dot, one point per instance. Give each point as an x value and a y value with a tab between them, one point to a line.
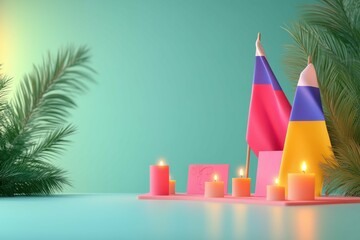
307	101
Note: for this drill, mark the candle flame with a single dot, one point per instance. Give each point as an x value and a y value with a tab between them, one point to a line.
241	172
277	181
162	162
215	178
303	167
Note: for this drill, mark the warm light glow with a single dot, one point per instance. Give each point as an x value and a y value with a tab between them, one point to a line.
241	172
162	162
277	181
215	178
303	167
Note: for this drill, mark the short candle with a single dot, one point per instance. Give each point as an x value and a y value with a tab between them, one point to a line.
275	192
215	188
172	186
159	179
301	186
241	186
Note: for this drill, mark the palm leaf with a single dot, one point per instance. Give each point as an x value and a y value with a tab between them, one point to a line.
33	128
33	177
52	144
46	95
4	89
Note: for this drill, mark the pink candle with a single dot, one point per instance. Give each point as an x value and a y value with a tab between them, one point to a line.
215	188
241	186
301	186
275	192
172	187
159	179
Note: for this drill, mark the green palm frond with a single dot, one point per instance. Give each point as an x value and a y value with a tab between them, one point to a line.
342	173
33	125
52	144
4	89
53	87
33	177
339	17
329	32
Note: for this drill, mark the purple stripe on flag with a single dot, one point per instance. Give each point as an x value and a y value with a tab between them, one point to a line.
263	73
307	105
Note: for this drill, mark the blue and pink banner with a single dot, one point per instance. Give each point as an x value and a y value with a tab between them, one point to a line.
269	108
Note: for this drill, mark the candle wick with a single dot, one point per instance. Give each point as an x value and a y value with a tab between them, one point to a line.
303	171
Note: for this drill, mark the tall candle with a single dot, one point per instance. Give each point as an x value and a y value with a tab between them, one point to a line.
214	188
159	179
301	186
275	192
241	186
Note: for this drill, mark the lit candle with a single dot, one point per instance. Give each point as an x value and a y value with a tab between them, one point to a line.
214	188
275	192
301	186
159	179
172	186
241	185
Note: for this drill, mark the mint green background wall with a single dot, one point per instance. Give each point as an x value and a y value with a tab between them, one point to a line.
174	80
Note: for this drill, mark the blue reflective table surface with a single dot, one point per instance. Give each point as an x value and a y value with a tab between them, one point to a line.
122	216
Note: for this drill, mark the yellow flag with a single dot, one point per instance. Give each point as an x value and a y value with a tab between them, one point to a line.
307	138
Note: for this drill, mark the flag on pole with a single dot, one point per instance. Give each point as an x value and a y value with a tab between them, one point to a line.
307	138
269	108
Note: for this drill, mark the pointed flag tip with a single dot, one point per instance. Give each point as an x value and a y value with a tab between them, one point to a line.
308	77
259	49
258	36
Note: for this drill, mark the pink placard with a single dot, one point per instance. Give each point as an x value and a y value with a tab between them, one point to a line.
201	173
267	170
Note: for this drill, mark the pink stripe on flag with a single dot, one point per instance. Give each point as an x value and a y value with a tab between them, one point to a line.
268	119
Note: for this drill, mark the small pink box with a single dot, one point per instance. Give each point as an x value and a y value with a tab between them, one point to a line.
201	173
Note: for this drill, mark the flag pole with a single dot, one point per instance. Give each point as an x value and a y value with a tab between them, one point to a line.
309	59
248	147
247	161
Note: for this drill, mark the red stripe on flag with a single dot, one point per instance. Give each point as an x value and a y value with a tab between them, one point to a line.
268	119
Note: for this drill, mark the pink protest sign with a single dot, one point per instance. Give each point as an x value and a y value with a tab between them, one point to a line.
267	170
201	173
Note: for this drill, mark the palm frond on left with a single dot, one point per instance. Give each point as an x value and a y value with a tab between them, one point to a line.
33	125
